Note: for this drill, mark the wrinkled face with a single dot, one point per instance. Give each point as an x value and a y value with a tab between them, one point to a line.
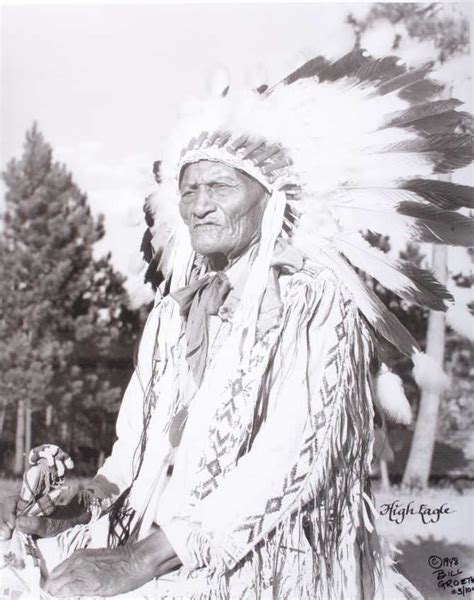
222	207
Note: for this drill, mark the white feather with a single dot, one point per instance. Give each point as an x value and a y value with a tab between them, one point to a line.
377	213
429	375
368	304
296	117
392	397
374	198
139	294
375	262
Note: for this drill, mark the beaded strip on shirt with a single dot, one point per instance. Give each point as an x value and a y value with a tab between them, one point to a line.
339	431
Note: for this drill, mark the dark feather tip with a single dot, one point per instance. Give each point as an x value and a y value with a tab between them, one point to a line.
443	194
312	68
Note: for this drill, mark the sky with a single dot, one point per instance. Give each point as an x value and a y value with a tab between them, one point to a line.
105	82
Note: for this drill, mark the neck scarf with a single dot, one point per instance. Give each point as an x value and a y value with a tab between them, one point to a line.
197	302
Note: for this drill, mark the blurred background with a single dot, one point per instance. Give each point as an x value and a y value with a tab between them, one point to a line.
89	95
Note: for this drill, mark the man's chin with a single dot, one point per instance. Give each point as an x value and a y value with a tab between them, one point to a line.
208	249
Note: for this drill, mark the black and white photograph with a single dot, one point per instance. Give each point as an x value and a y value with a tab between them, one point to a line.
236	317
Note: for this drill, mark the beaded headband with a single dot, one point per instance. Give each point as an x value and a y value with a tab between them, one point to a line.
359	144
267	163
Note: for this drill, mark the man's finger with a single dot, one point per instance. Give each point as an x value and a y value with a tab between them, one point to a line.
64	587
8	509
49	527
7	517
31	525
43	526
64	567
5	531
67	578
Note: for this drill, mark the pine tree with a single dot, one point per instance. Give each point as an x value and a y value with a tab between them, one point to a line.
59	304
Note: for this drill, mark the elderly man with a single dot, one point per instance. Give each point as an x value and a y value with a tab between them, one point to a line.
241	468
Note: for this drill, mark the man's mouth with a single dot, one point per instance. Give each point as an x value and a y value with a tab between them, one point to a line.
209	225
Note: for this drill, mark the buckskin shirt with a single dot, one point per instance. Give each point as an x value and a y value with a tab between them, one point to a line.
266	491
246	432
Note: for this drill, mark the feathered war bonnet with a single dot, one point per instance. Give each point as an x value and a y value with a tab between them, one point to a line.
342	147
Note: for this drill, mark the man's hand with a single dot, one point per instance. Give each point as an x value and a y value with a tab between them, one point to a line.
71	511
7	517
108	572
63	518
50	526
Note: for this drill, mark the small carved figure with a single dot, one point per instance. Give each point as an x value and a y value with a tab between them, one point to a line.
44	482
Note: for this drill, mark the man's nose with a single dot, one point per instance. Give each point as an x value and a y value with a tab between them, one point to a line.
203	203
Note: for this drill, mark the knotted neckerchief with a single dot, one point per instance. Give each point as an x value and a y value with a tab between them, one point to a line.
205	296
197	302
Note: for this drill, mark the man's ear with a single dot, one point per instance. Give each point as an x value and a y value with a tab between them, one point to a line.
259	192
263	198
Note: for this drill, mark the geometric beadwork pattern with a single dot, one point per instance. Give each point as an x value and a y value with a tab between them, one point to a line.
328	403
232	423
334	451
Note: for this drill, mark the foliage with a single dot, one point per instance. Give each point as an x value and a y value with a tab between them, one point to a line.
423	21
63	312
